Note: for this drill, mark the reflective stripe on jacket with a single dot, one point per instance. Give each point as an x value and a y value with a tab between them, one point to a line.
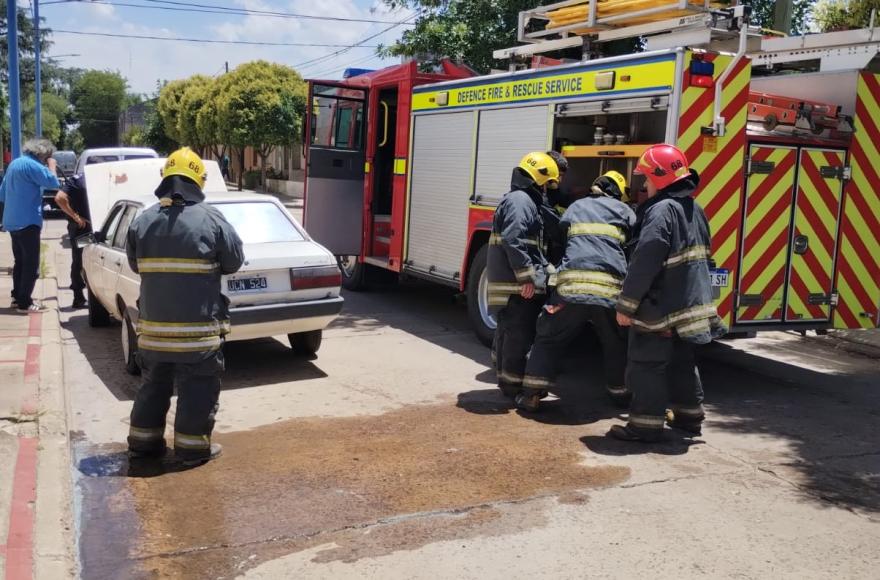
180	252
594	264
667	288
515	255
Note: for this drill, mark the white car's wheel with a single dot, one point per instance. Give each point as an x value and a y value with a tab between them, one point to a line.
306	343
129	346
98	315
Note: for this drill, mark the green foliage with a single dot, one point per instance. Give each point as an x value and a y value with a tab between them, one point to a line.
192	101
833	15
97	99
261	105
55	111
134	137
168	106
764	11
155	135
465	30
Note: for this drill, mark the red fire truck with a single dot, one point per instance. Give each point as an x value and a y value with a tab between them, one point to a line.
404	168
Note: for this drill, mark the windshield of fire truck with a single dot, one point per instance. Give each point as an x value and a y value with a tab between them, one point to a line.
337	117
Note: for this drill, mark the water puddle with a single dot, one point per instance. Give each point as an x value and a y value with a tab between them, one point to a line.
424	473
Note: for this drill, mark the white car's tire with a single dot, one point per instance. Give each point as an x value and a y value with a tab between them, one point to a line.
129	346
306	343
98	315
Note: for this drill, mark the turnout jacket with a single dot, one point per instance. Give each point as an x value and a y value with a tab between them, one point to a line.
181	248
515	256
667	288
595	230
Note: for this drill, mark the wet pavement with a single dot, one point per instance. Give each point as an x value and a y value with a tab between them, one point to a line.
392	455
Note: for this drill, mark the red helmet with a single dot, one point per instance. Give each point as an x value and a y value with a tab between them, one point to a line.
663	165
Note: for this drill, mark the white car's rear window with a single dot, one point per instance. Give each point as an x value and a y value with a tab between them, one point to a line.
259	222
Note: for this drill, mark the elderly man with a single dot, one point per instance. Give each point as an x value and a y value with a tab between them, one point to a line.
22	195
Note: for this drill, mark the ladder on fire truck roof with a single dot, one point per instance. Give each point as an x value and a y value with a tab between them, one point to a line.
579	23
663	23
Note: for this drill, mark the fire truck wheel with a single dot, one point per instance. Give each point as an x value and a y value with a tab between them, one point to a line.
353	272
478	298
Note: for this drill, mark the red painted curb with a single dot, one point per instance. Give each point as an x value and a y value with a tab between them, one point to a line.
20	540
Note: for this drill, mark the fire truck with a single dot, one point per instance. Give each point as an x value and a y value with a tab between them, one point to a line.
404	168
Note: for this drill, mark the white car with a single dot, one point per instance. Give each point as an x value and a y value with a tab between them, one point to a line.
109	154
288	284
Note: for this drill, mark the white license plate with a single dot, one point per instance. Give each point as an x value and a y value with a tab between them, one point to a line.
720	278
254	284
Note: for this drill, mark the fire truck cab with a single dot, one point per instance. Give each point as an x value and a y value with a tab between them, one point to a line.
409	179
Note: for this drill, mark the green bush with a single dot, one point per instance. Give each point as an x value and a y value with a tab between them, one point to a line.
251	179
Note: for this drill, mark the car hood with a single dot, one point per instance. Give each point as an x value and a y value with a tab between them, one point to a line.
136	179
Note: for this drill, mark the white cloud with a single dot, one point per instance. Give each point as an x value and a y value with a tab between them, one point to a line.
144	62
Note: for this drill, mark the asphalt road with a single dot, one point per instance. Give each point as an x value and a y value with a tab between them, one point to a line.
391	455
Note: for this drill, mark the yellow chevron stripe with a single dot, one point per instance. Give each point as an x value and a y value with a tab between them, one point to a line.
845	289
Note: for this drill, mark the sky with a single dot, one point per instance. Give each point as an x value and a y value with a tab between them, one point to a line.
144	62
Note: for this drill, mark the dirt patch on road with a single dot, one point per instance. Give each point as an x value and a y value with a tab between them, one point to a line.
293	483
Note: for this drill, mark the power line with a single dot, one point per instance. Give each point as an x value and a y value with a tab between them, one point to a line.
357	44
216	9
211	41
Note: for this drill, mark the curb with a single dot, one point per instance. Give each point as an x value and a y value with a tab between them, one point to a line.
53	547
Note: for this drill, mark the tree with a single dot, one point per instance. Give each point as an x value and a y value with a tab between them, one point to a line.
833	15
764	12
97	99
168	106
55	110
192	101
261	105
466	30
208	118
155	135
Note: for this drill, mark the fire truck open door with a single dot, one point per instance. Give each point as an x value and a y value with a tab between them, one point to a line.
814	241
335	160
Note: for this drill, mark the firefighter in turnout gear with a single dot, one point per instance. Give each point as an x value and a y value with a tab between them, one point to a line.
180	247
667	301
588	282
517	268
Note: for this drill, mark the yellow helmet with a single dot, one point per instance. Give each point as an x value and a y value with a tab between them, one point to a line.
611	183
540	167
186	163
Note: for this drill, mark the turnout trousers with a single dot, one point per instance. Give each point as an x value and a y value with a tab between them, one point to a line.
198	393
513	339
662	374
554	332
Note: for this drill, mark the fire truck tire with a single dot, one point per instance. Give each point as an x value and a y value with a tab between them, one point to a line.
478	298
353	272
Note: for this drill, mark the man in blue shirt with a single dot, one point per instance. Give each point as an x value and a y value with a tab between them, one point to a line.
22	195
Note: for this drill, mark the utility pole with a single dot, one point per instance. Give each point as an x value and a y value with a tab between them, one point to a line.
14	81
227	67
783	15
38	110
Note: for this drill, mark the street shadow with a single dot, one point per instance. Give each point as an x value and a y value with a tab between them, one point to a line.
249	364
673	443
816	430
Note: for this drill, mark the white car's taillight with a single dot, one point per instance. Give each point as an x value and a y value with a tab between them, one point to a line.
316	277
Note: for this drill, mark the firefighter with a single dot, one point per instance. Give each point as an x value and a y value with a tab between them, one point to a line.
588	281
557	201
517	268
667	301
180	247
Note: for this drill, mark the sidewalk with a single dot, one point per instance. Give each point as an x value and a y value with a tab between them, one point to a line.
36	525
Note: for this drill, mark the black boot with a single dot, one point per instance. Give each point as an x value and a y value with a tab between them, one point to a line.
627	433
79	301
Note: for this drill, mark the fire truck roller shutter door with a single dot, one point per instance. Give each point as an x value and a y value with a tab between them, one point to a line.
440	185
505	136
